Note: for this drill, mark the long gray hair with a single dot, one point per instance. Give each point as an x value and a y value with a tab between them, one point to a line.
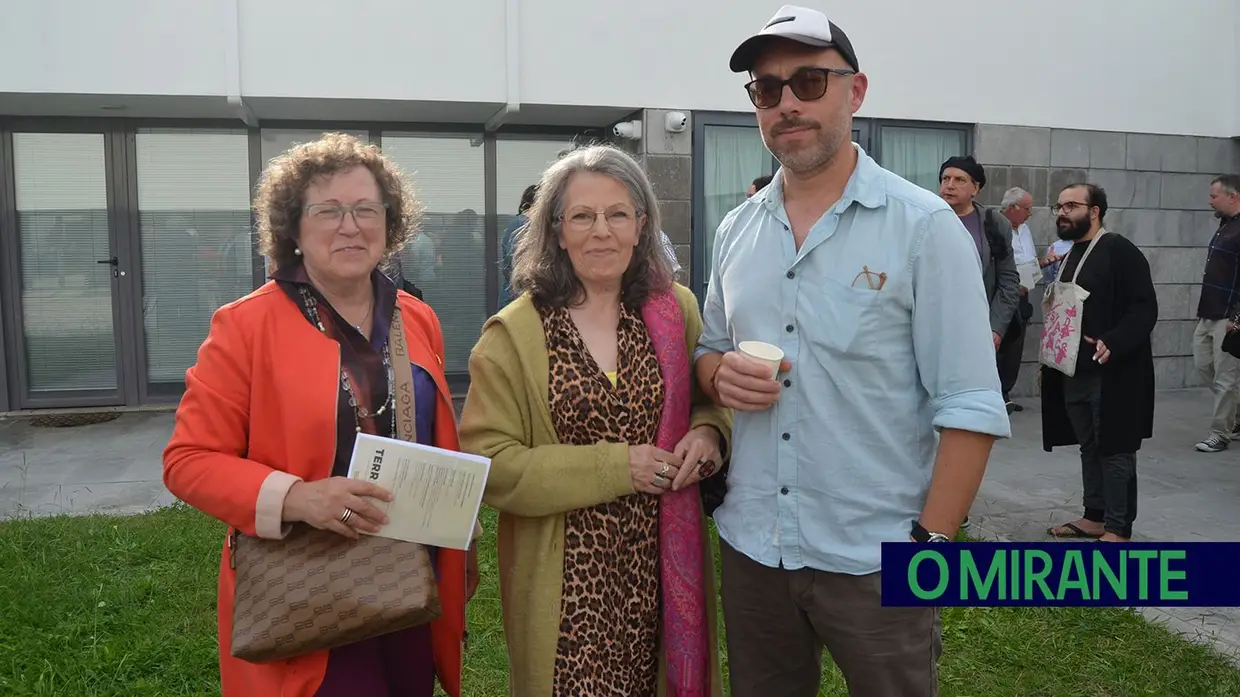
545	270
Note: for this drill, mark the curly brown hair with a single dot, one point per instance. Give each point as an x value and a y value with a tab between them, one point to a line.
541	267
281	194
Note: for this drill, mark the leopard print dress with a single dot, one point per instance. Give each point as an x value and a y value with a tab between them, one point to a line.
609	618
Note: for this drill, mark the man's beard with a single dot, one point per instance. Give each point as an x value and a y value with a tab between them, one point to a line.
810	157
1072	230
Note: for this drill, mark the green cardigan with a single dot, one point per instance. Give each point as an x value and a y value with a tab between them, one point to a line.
535	480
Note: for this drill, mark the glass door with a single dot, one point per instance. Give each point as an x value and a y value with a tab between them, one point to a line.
447	260
191	191
65	271
519	163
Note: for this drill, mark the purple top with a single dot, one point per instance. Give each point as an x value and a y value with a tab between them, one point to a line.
400	663
973	223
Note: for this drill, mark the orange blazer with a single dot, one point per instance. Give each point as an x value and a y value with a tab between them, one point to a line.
258	415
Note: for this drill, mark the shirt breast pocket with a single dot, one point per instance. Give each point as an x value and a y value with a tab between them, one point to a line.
838	314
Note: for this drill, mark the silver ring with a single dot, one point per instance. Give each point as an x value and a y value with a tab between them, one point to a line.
344	517
664	470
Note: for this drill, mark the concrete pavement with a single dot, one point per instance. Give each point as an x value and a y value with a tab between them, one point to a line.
1183	496
114	467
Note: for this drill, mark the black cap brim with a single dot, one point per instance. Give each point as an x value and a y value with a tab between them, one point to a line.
746	54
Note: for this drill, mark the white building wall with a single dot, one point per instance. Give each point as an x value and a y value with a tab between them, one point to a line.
1119	65
171	47
435	50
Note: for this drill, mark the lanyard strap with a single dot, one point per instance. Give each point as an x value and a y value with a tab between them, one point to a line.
406	406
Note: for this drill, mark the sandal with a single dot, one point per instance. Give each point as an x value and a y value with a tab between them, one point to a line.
1072	532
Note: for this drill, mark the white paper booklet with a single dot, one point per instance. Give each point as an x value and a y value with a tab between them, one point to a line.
1030	274
436	493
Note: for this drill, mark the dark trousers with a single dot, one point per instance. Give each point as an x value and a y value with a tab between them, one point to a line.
1012	346
1110	481
778	621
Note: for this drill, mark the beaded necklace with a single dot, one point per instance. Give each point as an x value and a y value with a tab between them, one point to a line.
359	412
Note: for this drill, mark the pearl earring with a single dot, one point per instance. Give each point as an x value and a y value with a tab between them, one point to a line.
297	251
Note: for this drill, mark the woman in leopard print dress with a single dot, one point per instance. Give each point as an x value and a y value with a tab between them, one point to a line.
582	396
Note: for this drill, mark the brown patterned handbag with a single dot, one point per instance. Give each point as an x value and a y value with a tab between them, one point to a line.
316	589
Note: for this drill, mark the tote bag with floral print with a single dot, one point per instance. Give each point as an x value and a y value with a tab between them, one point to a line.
1062	306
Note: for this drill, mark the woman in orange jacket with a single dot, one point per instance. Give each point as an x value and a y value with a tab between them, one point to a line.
287	377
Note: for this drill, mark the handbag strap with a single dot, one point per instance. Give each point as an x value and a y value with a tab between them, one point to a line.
1077	271
402	372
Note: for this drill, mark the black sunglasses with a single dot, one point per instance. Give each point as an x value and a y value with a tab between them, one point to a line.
808	84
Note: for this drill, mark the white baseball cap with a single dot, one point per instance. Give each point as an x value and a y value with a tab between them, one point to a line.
800	24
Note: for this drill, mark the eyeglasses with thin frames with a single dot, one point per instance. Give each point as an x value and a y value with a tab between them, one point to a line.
365	213
1068	207
808	84
619	219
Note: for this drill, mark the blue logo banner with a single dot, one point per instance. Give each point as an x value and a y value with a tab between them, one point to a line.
1139	574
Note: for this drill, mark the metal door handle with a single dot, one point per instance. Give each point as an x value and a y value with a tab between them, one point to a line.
113	261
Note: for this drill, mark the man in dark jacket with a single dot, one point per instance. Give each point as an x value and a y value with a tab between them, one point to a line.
961	179
1107	406
1220	299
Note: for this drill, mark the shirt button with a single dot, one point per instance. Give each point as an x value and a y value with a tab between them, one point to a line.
787	383
787	436
789	328
784	491
791	274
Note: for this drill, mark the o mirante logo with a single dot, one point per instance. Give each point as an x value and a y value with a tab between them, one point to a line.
1195	574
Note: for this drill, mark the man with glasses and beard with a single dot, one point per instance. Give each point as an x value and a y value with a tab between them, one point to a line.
838	453
1107	406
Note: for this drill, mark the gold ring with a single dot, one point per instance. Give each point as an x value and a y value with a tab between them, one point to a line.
344	517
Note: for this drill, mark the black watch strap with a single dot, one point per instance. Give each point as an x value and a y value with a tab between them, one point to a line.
921	534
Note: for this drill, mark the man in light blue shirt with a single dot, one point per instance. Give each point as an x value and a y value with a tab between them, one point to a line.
881	419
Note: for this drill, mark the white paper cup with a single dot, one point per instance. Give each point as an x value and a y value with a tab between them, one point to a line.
767	354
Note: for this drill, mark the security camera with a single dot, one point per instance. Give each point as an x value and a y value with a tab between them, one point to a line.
628	129
675	121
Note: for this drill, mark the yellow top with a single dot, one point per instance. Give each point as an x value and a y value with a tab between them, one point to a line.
611	375
535	481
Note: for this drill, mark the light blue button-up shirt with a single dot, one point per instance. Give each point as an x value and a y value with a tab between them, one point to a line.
842	462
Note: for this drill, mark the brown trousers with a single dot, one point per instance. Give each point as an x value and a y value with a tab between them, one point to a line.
778	622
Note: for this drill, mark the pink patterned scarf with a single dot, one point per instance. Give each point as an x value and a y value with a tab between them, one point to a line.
681	531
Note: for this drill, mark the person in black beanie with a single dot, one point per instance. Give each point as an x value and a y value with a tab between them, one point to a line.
960	181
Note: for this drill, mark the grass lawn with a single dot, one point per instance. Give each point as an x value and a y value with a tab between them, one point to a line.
101	606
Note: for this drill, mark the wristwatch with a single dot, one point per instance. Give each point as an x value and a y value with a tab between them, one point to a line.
920	534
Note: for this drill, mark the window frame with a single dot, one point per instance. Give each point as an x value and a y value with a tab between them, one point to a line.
130	215
877	125
699	272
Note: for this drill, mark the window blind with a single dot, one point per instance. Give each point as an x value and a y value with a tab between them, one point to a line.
196	237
